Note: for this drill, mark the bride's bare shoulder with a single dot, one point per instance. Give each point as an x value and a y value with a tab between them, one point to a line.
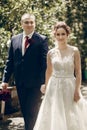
51	51
74	48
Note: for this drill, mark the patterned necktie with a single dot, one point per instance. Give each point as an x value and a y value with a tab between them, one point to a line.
26	43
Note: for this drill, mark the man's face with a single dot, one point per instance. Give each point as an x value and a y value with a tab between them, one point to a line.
28	25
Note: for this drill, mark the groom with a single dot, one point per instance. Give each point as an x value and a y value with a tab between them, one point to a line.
28	64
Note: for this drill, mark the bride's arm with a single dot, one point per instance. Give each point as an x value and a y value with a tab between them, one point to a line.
48	73
49	69
77	74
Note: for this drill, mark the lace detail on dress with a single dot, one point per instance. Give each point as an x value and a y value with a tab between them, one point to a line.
62	66
58	110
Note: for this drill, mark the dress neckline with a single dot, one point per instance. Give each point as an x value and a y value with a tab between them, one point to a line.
63	49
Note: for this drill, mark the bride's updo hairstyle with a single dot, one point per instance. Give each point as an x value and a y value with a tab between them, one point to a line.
63	25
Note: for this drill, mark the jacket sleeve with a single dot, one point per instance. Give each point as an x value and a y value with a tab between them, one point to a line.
43	60
8	70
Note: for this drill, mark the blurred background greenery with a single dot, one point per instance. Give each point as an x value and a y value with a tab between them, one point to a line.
47	12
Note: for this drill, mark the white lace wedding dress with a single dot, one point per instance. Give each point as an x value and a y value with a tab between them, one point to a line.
58	110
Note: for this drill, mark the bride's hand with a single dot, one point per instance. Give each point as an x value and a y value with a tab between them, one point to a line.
43	88
77	95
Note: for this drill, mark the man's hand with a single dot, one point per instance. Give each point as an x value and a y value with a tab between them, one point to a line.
43	88
4	85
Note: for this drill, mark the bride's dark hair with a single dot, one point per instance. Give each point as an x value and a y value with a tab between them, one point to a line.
63	25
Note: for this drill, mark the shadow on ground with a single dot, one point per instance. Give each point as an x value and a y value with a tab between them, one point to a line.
12	122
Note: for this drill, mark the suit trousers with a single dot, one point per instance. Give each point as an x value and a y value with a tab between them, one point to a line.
30	100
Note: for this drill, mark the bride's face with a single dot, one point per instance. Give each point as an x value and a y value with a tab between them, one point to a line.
61	35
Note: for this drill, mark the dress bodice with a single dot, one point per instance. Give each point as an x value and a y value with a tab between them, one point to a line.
62	61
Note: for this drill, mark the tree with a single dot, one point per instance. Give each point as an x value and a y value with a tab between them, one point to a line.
47	12
76	18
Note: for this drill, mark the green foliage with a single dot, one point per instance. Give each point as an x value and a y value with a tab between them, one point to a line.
47	12
76	18
4	37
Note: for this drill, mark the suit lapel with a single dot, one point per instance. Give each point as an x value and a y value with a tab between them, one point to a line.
20	42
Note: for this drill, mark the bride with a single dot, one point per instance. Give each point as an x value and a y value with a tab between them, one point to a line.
63	107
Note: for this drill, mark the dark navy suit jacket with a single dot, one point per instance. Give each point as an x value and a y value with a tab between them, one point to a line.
30	68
